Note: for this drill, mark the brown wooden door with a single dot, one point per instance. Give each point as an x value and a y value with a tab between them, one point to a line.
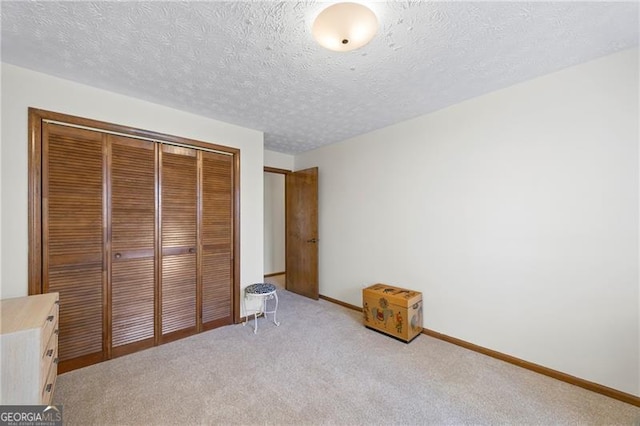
179	201
73	220
132	251
216	240
301	189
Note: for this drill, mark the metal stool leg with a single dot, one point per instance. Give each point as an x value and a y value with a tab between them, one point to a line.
255	322
275	295
264	306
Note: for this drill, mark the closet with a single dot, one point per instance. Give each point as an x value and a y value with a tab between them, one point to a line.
137	232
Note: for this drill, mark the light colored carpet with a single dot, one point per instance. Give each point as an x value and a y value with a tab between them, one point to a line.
321	366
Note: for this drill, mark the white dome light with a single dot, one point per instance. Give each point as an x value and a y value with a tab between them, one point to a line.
345	26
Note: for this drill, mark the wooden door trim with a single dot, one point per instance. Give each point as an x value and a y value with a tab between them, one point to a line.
275	170
127	131
157	313
34	214
106	243
83	361
235	225
35	120
199	241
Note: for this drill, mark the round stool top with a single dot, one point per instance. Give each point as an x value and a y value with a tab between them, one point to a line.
260	288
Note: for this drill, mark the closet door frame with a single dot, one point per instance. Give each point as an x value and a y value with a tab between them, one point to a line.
38	116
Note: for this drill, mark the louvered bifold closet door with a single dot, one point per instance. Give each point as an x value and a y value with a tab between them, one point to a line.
179	172
72	226
132	255
216	239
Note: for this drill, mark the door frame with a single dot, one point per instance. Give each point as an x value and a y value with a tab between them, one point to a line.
284	172
35	119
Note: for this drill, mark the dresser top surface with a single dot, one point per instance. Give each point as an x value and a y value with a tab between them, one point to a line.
23	313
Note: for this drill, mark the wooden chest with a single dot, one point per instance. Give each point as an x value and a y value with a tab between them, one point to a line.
392	310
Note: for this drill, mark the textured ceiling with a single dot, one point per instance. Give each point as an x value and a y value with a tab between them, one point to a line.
255	64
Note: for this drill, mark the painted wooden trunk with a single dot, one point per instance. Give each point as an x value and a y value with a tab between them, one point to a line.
392	310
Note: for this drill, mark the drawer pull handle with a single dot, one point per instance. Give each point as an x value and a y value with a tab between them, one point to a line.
50	352
50	318
57	331
57	302
49	386
55	360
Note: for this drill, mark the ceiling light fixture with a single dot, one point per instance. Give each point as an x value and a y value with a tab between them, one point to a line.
345	26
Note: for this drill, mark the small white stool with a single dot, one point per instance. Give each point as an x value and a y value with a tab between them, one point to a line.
264	292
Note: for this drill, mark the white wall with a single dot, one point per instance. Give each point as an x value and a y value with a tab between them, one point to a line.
1	190
22	88
274	230
515	213
278	160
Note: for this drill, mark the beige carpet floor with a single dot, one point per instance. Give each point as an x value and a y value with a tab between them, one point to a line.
321	366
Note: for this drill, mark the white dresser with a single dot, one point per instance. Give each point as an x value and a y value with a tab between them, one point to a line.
28	349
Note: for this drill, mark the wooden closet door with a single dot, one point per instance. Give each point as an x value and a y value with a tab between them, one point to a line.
133	235
179	203
216	239
73	238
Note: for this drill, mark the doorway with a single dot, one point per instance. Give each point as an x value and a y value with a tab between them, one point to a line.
300	196
274	227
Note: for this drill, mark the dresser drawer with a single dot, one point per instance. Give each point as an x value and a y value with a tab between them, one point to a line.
49	384
49	359
49	327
